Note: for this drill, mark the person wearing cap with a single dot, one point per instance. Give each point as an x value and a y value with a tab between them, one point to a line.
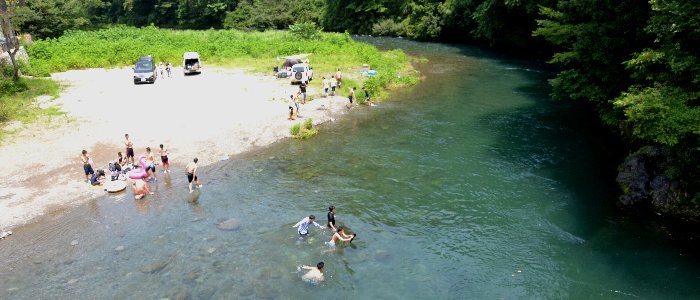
303	225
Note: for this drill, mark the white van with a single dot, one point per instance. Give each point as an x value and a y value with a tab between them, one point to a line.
191	63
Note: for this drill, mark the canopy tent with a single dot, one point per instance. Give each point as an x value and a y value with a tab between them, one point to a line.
289	61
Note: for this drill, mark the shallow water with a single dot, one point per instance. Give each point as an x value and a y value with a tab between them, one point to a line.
473	184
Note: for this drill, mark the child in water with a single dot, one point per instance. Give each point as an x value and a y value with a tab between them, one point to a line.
314	275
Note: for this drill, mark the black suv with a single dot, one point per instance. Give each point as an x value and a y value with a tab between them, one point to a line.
145	70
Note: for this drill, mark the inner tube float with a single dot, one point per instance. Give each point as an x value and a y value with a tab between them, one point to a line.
139	173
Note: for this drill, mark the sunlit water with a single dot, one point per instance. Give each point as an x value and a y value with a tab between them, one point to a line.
473	184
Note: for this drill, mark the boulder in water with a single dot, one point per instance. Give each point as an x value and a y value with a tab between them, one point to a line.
229	225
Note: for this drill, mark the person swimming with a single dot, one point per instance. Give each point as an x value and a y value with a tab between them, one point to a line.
315	274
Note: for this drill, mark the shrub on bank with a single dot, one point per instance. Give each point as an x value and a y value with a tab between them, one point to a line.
303	131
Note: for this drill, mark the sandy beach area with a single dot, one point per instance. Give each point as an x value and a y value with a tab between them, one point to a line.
212	116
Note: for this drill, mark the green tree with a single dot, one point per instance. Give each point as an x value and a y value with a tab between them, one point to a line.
12	14
593	39
663	107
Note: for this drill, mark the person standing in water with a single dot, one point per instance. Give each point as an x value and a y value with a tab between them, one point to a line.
351	95
129	149
191	170
303	225
341	236
368	97
87	165
164	159
151	164
315	274
331	218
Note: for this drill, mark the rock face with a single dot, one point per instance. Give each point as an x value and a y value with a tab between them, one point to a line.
643	184
229	225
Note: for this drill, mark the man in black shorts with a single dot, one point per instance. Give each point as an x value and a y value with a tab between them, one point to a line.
87	164
302	89
129	149
191	170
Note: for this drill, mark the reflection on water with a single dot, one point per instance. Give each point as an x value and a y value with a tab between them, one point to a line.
470	185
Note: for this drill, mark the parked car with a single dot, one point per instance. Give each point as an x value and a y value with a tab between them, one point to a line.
298	72
191	63
145	70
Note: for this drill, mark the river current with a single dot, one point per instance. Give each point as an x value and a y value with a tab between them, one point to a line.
473	184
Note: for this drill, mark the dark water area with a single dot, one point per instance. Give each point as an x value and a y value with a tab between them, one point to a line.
473	184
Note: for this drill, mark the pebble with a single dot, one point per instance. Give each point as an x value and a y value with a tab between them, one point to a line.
74	242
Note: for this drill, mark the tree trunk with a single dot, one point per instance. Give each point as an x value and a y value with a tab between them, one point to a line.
12	41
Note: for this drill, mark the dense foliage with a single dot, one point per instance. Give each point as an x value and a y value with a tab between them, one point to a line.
638	63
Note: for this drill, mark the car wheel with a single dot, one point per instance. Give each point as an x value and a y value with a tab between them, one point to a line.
297	76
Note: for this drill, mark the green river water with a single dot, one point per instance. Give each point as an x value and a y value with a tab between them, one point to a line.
473	184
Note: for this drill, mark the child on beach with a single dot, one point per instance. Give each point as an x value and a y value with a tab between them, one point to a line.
291	103
333	82
87	165
129	149
164	159
326	84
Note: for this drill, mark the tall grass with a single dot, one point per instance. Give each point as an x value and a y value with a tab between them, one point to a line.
254	51
17	100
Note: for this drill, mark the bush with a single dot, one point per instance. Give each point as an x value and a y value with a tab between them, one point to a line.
306	30
388	27
294	131
304	131
308	124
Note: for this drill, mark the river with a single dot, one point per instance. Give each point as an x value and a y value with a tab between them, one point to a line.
473	184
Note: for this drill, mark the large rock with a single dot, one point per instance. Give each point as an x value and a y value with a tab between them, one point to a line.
633	178
229	225
643	182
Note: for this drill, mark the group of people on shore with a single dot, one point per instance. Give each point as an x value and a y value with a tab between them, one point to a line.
330	86
125	167
315	274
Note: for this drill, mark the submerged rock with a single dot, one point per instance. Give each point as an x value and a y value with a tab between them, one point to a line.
181	295
229	225
154	267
